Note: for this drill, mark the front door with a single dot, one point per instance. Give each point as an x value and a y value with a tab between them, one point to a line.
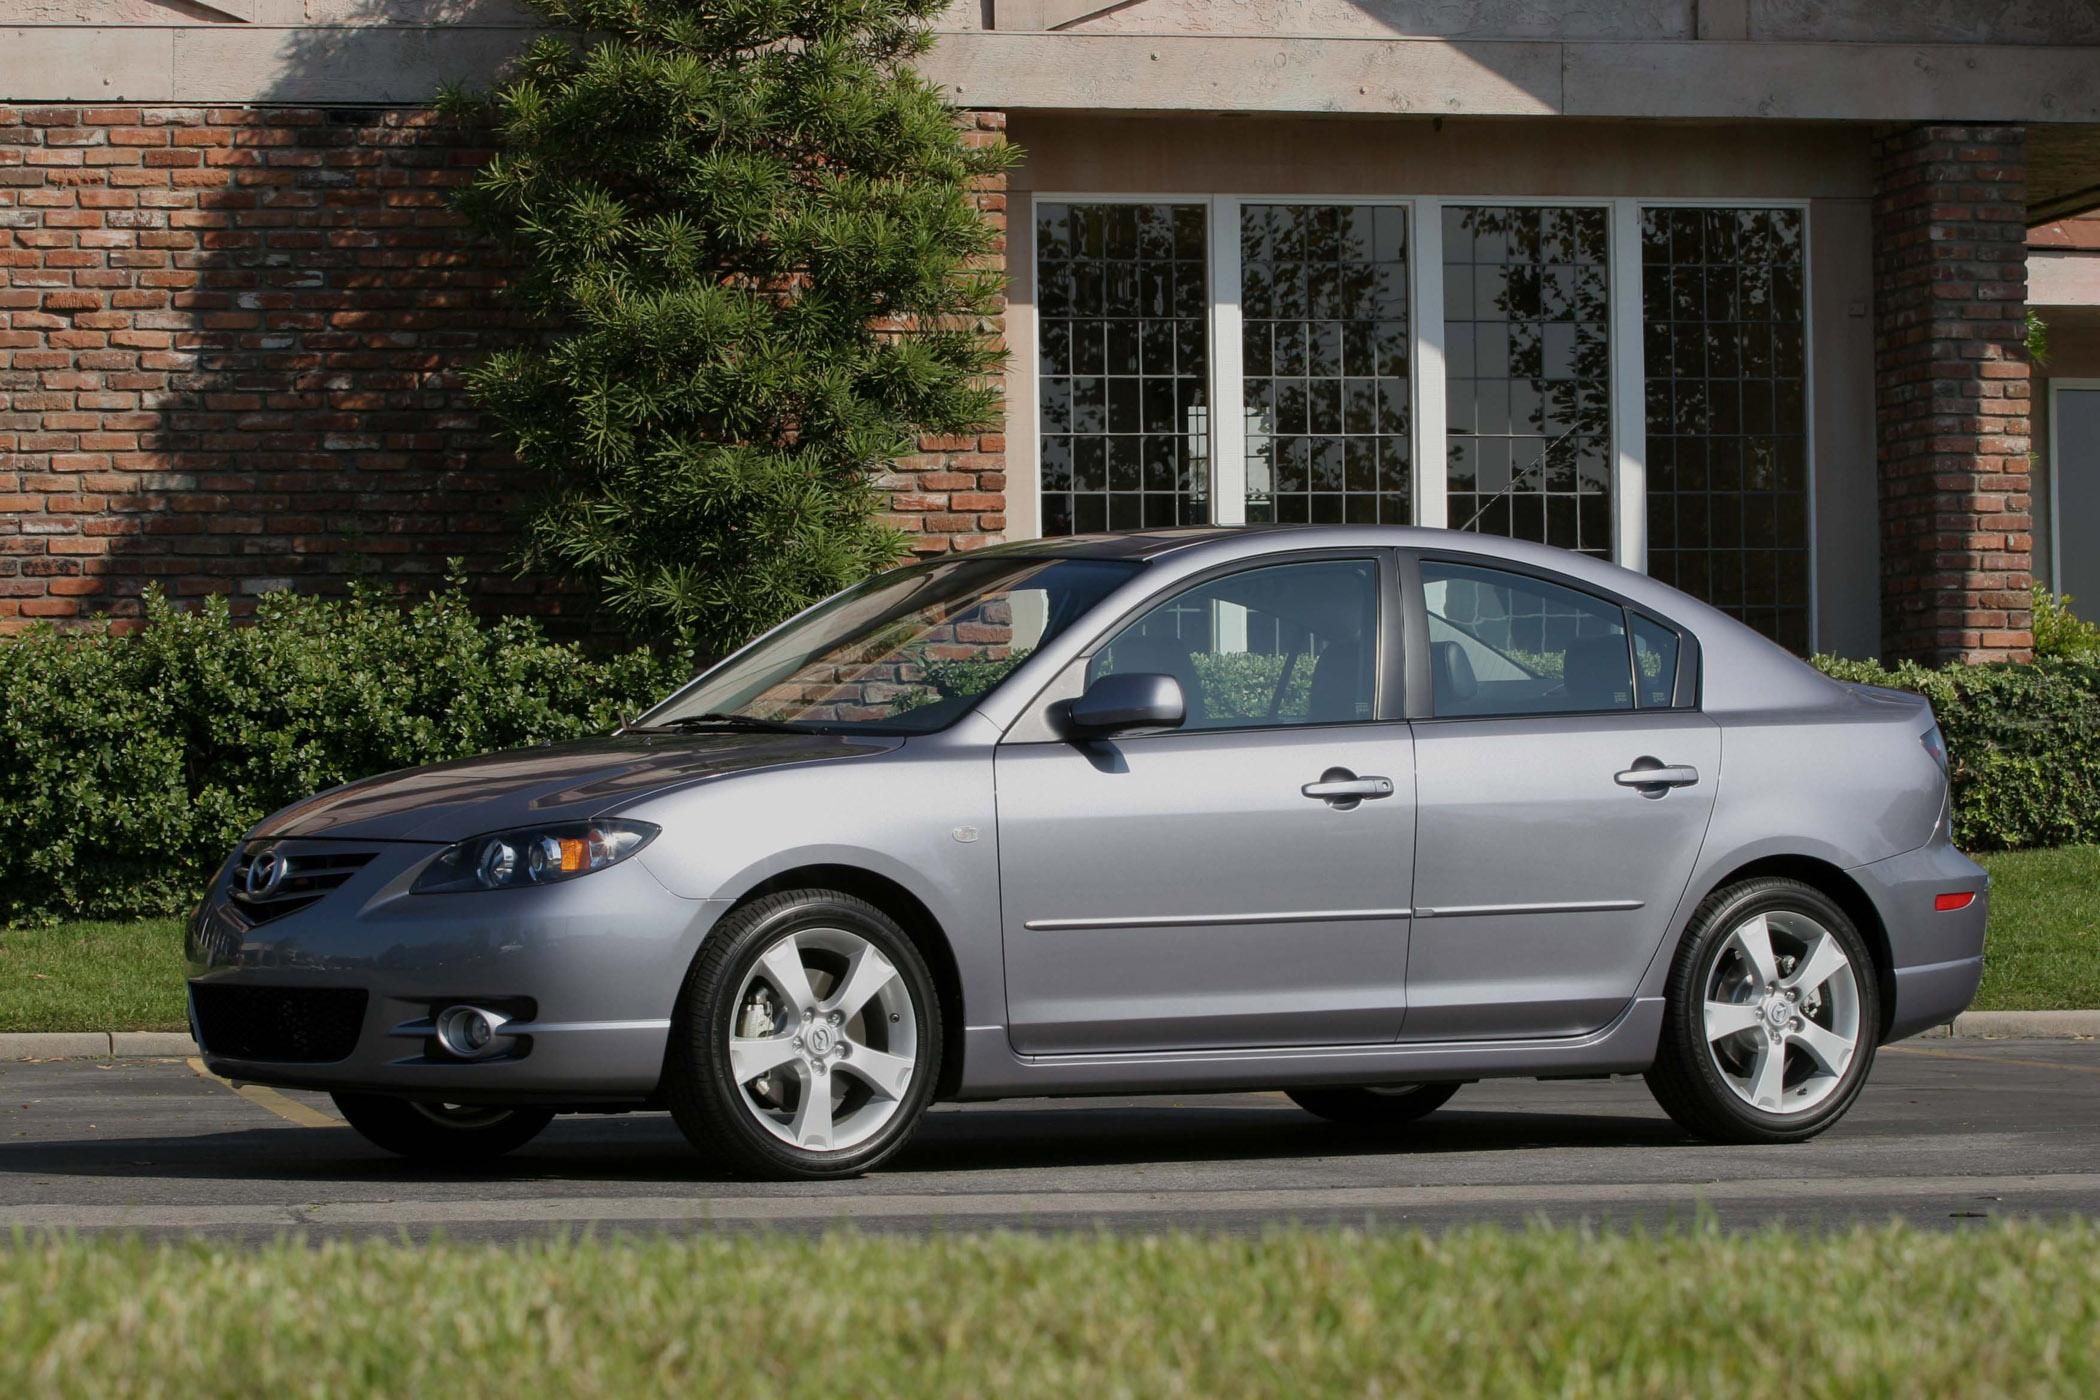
1547	869
1201	888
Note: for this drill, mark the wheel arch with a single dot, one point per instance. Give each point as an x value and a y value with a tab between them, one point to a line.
918	923
1841	889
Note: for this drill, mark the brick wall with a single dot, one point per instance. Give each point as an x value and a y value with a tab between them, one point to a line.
231	345
1952	392
952	493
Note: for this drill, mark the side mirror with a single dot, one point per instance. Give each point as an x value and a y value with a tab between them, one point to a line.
1120	703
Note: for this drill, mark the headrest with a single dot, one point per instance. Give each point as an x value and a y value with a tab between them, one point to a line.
1451	673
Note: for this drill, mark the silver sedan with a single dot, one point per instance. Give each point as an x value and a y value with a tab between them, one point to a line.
1361	814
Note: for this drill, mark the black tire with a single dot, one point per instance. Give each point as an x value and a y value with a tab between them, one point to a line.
1375	1109
441	1134
703	1095
1685	1079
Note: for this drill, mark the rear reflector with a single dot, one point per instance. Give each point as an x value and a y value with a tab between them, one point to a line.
1947	903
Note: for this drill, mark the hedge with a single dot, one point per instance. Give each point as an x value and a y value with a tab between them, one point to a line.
131	763
2023	742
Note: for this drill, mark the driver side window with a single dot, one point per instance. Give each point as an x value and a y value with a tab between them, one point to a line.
1288	644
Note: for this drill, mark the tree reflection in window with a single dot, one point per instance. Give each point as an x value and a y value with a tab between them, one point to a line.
1725	348
1527	357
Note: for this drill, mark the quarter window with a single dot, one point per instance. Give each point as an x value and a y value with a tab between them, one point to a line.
1504	644
1288	644
1655	650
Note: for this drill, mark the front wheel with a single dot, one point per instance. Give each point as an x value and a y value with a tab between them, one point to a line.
807	1040
1391	1106
441	1133
1772	1016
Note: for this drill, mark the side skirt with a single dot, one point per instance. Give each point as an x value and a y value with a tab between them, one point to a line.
991	1069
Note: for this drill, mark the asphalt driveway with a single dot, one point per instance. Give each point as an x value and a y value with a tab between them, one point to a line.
1947	1133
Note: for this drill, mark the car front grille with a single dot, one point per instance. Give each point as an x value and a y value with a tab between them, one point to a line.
293	1025
308	874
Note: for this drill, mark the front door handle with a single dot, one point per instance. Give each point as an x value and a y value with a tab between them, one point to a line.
1345	790
1652	777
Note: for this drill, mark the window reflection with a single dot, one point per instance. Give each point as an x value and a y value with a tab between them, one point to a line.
1528	373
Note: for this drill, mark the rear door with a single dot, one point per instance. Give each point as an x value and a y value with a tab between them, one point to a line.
1565	779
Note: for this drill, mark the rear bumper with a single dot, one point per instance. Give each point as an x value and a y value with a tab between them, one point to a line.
1936	954
597	961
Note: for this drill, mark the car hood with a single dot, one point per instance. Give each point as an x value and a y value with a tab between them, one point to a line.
560	782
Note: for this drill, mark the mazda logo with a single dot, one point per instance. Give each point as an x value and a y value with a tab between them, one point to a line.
265	873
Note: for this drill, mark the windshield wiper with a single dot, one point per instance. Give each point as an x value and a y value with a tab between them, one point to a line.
718	720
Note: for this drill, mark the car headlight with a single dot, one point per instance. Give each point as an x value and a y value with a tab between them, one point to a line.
533	855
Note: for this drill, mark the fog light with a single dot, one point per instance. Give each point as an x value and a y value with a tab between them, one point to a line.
470	1032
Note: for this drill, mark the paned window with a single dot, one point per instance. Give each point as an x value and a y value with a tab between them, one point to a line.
1124	349
1722	300
1527	360
1324	358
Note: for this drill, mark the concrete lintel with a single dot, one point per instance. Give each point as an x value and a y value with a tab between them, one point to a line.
1063	71
1160	73
1710	79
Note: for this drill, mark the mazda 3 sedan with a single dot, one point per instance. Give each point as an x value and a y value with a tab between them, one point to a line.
1360	814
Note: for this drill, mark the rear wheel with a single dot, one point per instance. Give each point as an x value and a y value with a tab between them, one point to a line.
807	1040
1390	1106
441	1132
1773	1013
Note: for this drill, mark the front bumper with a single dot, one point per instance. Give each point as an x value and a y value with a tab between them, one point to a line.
1937	954
597	963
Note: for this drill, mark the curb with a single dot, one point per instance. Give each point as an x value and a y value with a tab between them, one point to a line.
122	1045
96	1045
2022	1025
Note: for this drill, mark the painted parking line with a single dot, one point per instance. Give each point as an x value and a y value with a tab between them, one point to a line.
1987	1059
290	1110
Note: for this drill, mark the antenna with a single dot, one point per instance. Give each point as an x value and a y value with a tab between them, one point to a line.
1517	480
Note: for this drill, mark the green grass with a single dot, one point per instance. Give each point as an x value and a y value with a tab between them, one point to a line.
124	976
2044	954
2044	948
1891	1311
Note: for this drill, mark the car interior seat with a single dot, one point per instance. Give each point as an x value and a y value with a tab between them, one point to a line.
1451	678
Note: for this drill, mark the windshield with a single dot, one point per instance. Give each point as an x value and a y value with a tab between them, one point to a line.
907	652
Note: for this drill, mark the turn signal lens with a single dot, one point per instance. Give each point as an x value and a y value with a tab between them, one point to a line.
533	856
1948	903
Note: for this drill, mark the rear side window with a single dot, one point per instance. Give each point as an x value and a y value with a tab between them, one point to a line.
1509	644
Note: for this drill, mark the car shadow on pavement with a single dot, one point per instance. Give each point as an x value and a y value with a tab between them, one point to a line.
647	1148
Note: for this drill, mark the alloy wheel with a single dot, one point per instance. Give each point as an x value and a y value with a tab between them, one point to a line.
824	1043
1782	1016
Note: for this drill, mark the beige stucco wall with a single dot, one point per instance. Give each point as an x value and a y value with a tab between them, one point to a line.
1827	165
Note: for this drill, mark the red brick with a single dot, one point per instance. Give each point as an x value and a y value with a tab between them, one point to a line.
1952	391
200	412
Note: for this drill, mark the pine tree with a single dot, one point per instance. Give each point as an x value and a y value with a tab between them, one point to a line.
747	230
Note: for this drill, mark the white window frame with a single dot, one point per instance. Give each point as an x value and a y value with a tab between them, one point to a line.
2056	510
1425	252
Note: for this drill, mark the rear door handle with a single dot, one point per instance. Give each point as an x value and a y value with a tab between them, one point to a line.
1345	790
1652	777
